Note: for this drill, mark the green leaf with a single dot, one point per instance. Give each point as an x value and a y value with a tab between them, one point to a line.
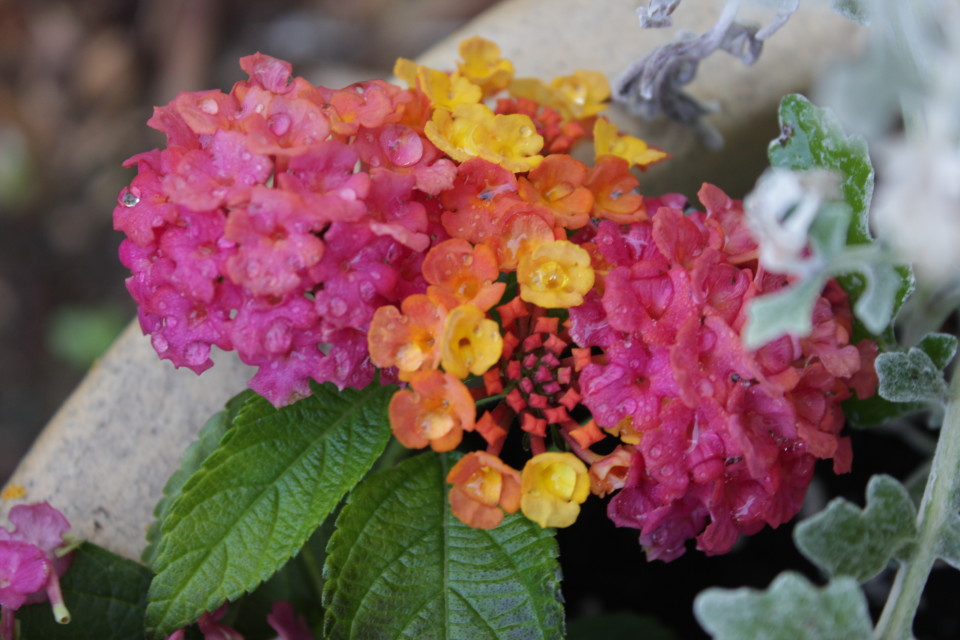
844	540
812	138
941	347
106	595
875	411
618	626
879	298
786	312
276	475
400	565
299	582
206	443
910	377
828	232
791	609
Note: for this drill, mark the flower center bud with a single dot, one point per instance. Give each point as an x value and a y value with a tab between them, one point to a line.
560	480
484	486
549	276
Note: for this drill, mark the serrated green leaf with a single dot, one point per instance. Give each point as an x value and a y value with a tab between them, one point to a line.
941	347
844	540
276	475
206	443
618	626
106	595
299	582
400	565
791	609
786	312
910	377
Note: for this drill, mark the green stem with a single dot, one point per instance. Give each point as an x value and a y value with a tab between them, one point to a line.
936	507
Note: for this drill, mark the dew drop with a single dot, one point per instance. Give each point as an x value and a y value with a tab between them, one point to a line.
129	197
196	353
526	131
160	344
338	306
656	451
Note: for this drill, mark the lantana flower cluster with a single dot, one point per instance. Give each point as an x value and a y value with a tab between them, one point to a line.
33	556
444	235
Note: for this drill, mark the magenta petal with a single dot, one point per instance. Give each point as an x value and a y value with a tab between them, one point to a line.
37	524
24	569
287	623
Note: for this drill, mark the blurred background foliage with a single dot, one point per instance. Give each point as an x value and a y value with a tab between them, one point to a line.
78	81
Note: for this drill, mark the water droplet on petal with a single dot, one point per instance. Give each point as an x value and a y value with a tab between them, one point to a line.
160	344
209	106
337	306
526	131
129	197
656	451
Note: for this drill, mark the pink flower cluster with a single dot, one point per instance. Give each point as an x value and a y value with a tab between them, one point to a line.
724	439
30	569
277	219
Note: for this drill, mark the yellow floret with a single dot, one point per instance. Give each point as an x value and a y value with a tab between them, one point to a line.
555	275
553	486
471	342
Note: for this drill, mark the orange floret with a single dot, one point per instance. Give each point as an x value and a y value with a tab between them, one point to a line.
558	184
435	410
459	273
483	489
612	185
407	338
521	232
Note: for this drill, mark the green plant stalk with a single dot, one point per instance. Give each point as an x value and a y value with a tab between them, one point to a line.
936	507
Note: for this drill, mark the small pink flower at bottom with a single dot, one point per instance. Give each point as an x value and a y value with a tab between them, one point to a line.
30	568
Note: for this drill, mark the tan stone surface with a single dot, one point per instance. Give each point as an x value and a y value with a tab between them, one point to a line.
106	455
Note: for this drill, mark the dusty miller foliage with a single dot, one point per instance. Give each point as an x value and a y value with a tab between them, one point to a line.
654	85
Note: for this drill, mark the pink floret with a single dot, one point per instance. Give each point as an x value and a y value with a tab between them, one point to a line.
728	437
276	221
30	566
